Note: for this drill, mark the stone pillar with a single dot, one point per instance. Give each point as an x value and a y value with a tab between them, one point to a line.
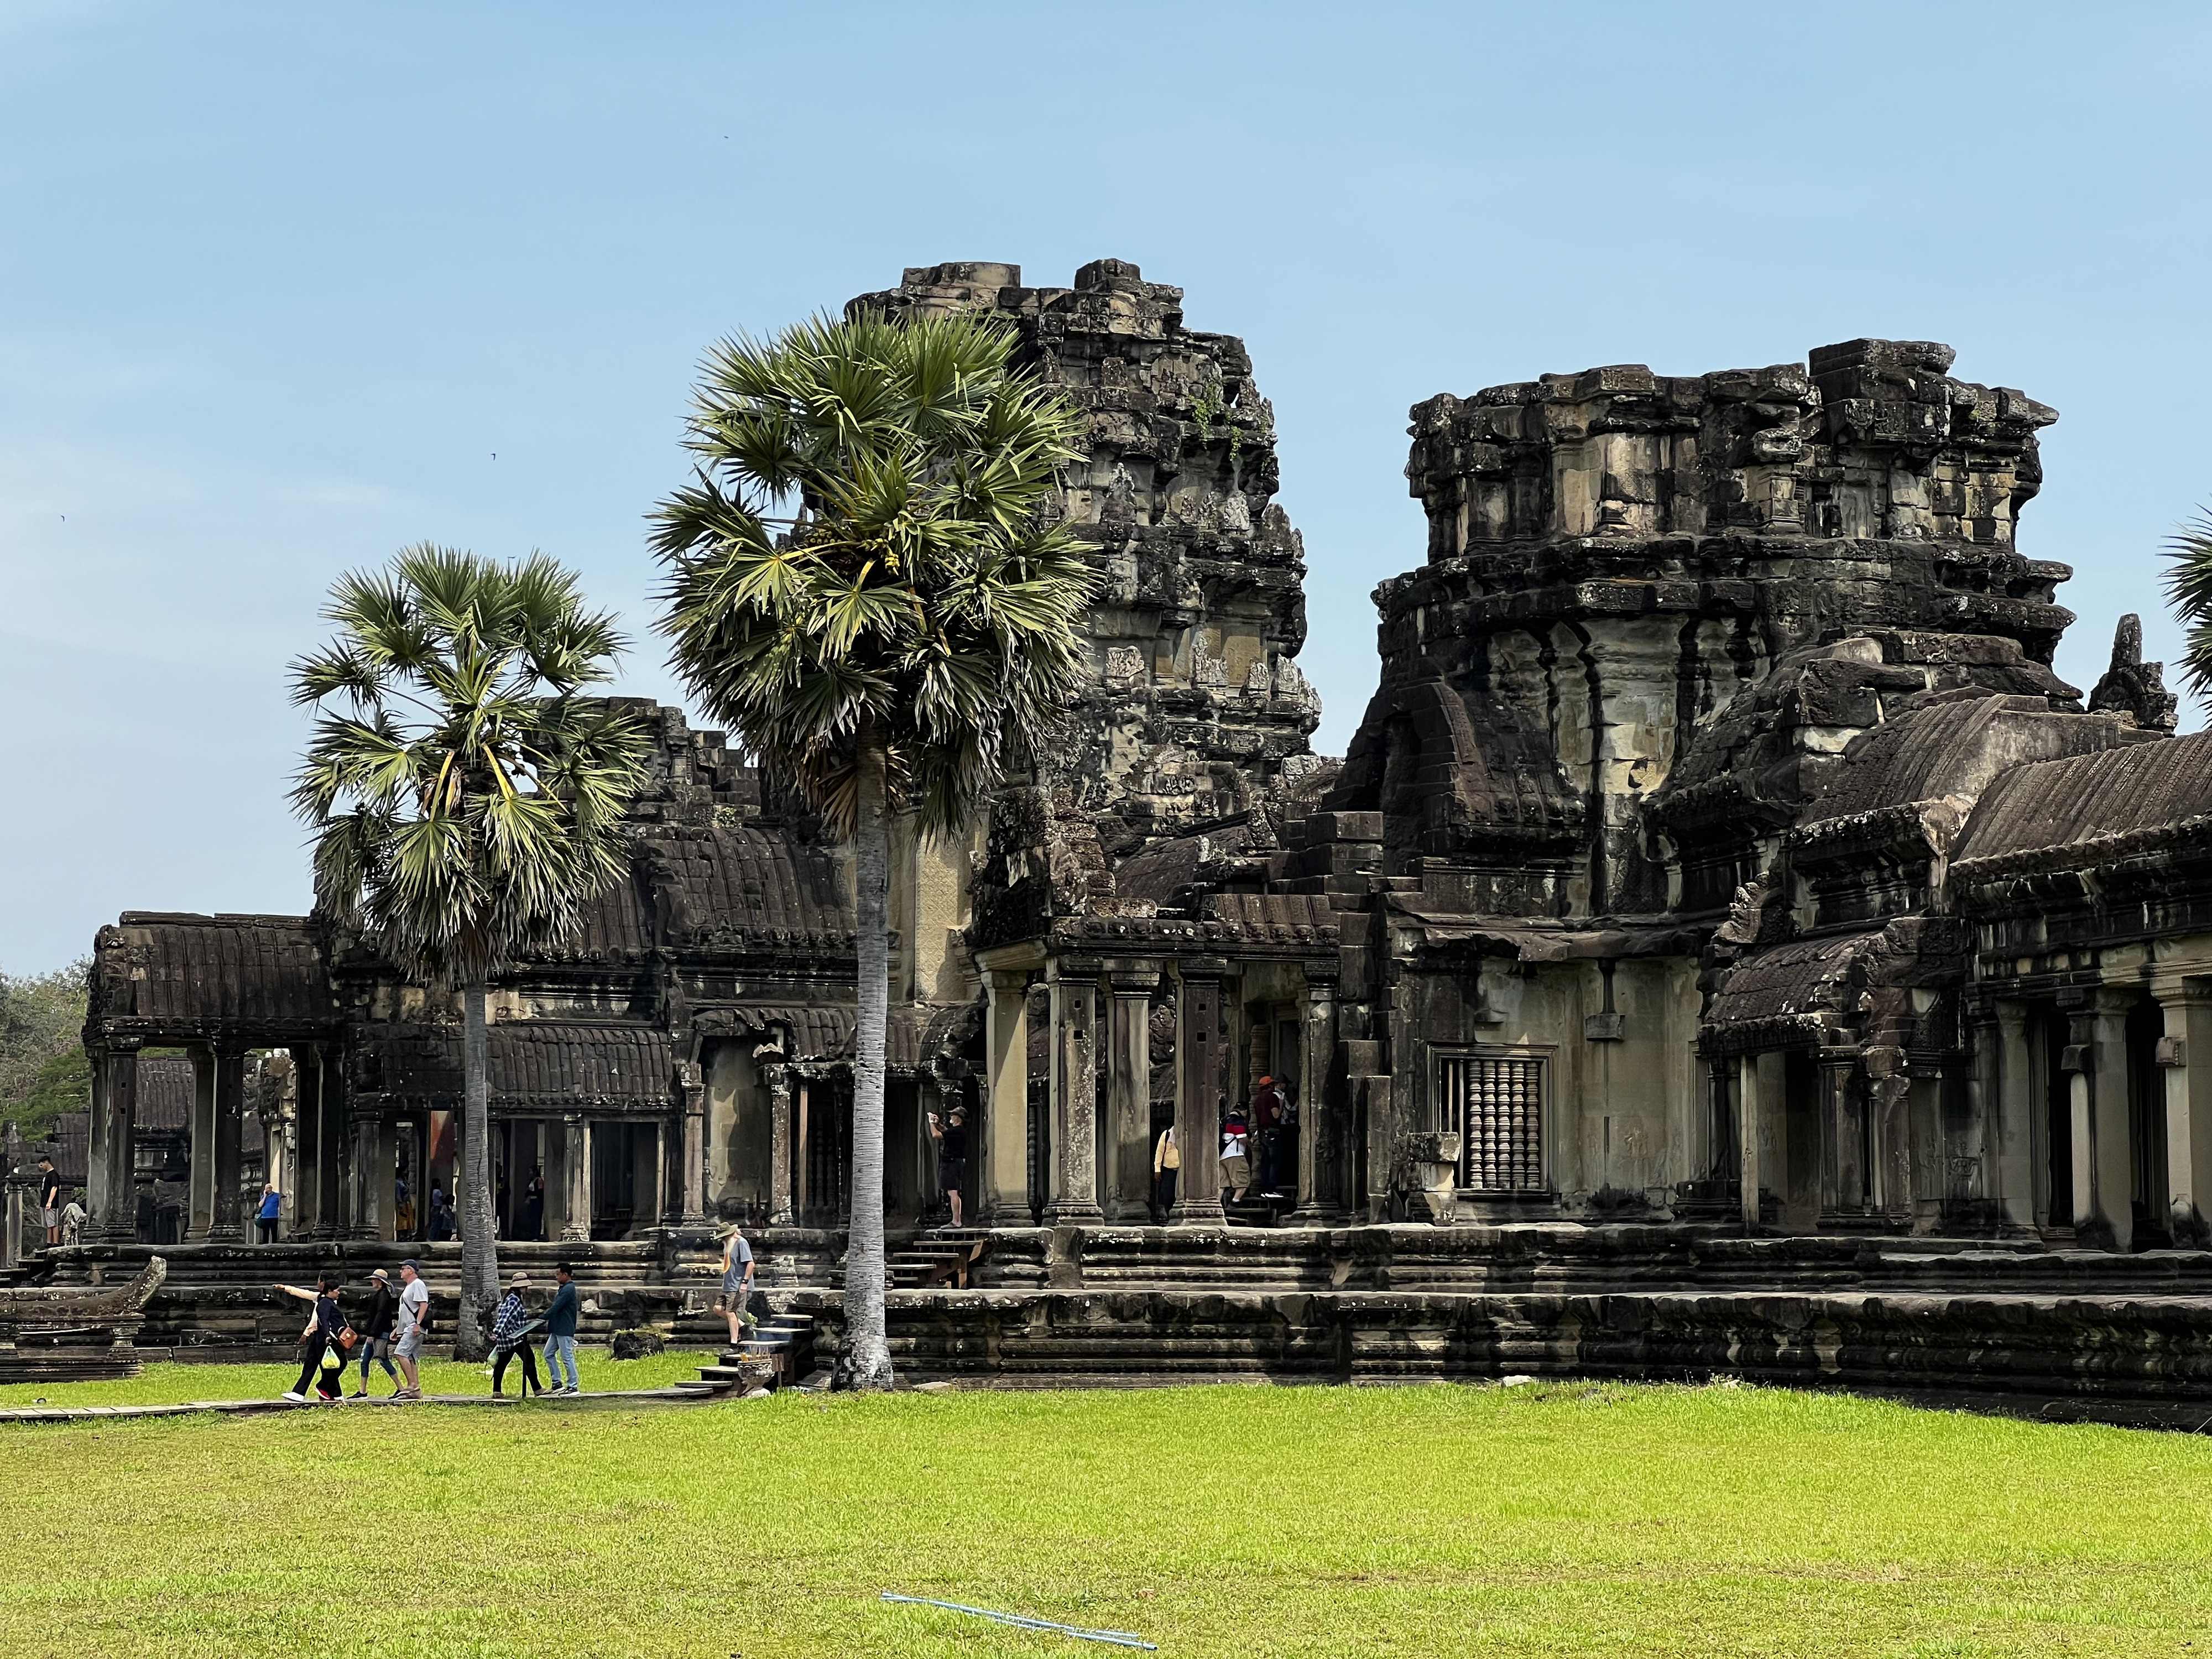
226	1223
1003	1187
1199	1091
2076	1061
575	1180
2185	1054
1129	1090
2015	1119
688	1190
1074	1085
2112	1198
1746	1127
1843	1136
781	1211
1321	1162
95	1171
199	1191
116	1220
306	1192
333	1155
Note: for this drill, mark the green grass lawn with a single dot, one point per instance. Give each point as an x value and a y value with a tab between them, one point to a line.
1320	1522
163	1384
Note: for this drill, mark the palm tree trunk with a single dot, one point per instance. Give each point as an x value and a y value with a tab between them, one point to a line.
868	1351
479	1249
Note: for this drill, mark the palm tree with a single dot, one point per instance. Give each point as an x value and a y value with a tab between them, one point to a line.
2189	591
467	804
869	582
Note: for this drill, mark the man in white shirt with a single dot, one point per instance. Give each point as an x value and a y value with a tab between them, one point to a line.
414	1326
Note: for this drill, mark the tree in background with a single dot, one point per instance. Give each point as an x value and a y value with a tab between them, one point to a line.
899	638
467	803
2189	591
43	1069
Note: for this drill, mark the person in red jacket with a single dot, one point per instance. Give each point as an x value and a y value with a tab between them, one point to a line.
1267	1133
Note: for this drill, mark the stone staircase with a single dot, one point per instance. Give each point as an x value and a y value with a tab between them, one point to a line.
780	1353
939	1260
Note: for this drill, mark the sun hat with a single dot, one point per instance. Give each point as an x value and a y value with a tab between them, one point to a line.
518	1281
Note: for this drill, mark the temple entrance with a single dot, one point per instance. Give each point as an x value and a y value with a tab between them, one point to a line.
1798	1183
522	1161
625	1178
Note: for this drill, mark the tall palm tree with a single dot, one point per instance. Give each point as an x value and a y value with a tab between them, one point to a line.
467	804
2189	591
868	582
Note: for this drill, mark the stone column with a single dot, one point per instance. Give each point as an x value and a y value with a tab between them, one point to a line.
2015	1119
306	1192
1003	1188
687	1139
199	1191
1129	1090
226	1223
1746	1128
1074	1085
116	1220
2184	1053
2076	1061
576	1181
1199	1091
1321	1162
779	1211
1843	1136
332	1220
2112	1197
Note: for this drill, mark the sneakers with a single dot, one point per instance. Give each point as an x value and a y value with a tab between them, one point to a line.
296	1396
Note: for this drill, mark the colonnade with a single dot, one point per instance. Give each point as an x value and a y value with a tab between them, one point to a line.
1098	1052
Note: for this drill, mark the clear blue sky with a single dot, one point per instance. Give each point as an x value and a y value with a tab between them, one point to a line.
277	282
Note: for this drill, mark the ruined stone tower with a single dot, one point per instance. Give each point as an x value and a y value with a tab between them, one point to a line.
1196	704
1565	724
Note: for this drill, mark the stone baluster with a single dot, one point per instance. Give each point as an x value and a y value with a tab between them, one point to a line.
1074	1093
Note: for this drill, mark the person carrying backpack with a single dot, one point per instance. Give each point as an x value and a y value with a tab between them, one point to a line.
326	1339
510	1334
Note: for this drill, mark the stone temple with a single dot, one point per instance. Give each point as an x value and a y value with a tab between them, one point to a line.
1726	945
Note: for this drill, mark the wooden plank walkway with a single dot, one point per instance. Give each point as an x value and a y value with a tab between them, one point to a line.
680	1395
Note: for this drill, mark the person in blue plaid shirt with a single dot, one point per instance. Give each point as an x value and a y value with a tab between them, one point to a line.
510	1334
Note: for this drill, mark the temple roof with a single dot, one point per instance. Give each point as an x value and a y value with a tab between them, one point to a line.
2057	803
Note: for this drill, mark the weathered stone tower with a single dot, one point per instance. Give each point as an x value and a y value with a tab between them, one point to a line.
1615	556
1196	704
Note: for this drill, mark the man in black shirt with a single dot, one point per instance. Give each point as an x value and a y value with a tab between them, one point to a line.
951	1155
50	1200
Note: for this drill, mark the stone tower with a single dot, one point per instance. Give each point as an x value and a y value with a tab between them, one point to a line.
1656	609
1196	705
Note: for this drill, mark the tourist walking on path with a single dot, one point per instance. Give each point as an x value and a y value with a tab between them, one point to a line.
1167	1164
323	1366
1235	1163
413	1327
378	1330
560	1332
510	1334
736	1283
49	1201
952	1138
272	1205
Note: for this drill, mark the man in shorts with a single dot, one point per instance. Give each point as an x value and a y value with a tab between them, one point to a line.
414	1326
49	1201
952	1138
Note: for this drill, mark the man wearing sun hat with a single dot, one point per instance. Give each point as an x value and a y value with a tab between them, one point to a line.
510	1334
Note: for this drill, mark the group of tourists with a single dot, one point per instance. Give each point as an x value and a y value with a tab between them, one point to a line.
397	1323
1248	1134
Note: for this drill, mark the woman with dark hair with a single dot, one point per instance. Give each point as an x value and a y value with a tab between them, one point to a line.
323	1362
